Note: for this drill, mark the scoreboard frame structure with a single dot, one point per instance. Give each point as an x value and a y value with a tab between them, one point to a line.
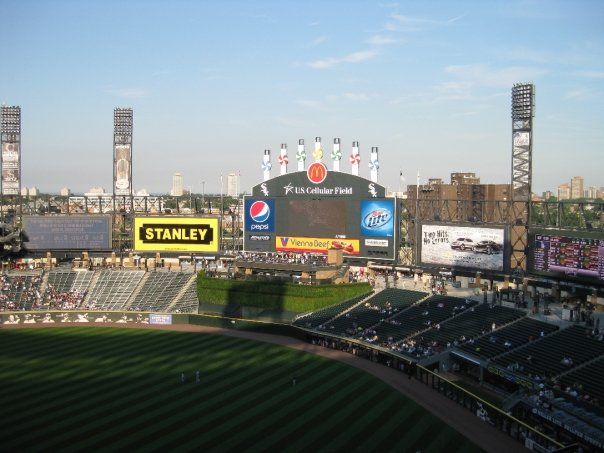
303	213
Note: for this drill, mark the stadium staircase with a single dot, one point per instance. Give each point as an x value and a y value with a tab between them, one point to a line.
137	290
192	280
91	286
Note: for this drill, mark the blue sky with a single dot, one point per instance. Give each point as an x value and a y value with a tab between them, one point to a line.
215	83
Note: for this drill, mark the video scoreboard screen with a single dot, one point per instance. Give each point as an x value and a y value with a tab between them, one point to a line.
295	213
561	254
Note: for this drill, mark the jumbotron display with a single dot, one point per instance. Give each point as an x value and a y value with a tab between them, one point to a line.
300	212
566	254
470	247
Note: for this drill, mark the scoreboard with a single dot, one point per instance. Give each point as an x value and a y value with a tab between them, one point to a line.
566	254
297	212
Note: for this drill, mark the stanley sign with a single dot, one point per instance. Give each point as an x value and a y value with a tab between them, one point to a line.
176	234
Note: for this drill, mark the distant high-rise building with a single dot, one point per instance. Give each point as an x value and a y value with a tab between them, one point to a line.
576	187
564	191
232	185
177	185
65	192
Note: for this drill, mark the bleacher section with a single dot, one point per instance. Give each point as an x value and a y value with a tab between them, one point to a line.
518	333
472	323
159	291
380	306
545	357
314	319
113	289
590	378
20	291
187	302
420	317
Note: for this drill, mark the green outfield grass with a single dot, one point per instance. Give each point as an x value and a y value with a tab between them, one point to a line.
96	388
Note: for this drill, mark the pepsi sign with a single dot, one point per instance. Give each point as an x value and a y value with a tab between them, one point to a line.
260	215
377	218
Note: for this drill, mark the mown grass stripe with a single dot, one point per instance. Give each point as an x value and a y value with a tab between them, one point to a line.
251	391
264	356
302	420
91	420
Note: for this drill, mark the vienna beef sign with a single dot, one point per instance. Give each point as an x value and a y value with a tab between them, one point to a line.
176	234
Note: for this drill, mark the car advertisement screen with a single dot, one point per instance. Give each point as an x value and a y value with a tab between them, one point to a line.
459	246
176	234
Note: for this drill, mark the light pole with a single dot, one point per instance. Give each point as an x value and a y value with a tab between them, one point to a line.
203	194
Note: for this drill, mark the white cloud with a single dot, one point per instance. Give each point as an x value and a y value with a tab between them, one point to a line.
127	92
591	74
380	40
330	62
312	103
355	97
412	23
482	74
317	41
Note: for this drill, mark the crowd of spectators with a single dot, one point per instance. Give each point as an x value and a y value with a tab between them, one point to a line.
283	258
19	292
63	300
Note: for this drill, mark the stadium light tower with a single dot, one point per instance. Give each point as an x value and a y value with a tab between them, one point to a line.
523	111
523	104
122	151
11	150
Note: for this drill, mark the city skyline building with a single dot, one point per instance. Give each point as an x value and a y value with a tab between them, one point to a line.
576	187
232	189
177	185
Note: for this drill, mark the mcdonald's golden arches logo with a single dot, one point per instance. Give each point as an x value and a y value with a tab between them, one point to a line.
317	172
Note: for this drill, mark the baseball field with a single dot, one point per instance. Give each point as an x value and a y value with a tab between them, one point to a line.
108	388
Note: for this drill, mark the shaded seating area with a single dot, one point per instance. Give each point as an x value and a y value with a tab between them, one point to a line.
468	325
314	319
587	381
525	330
367	314
547	357
420	317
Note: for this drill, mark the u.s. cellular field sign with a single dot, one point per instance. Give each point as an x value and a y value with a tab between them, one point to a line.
176	234
317	210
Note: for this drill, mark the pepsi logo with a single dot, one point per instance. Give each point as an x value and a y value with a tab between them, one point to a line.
260	211
377	218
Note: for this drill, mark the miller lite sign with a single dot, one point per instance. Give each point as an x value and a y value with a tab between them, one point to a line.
377	218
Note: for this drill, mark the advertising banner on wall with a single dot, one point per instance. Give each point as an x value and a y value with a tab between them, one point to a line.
11	169
316	245
463	246
377	218
176	234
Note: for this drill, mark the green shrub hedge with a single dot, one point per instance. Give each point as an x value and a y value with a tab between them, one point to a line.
275	295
